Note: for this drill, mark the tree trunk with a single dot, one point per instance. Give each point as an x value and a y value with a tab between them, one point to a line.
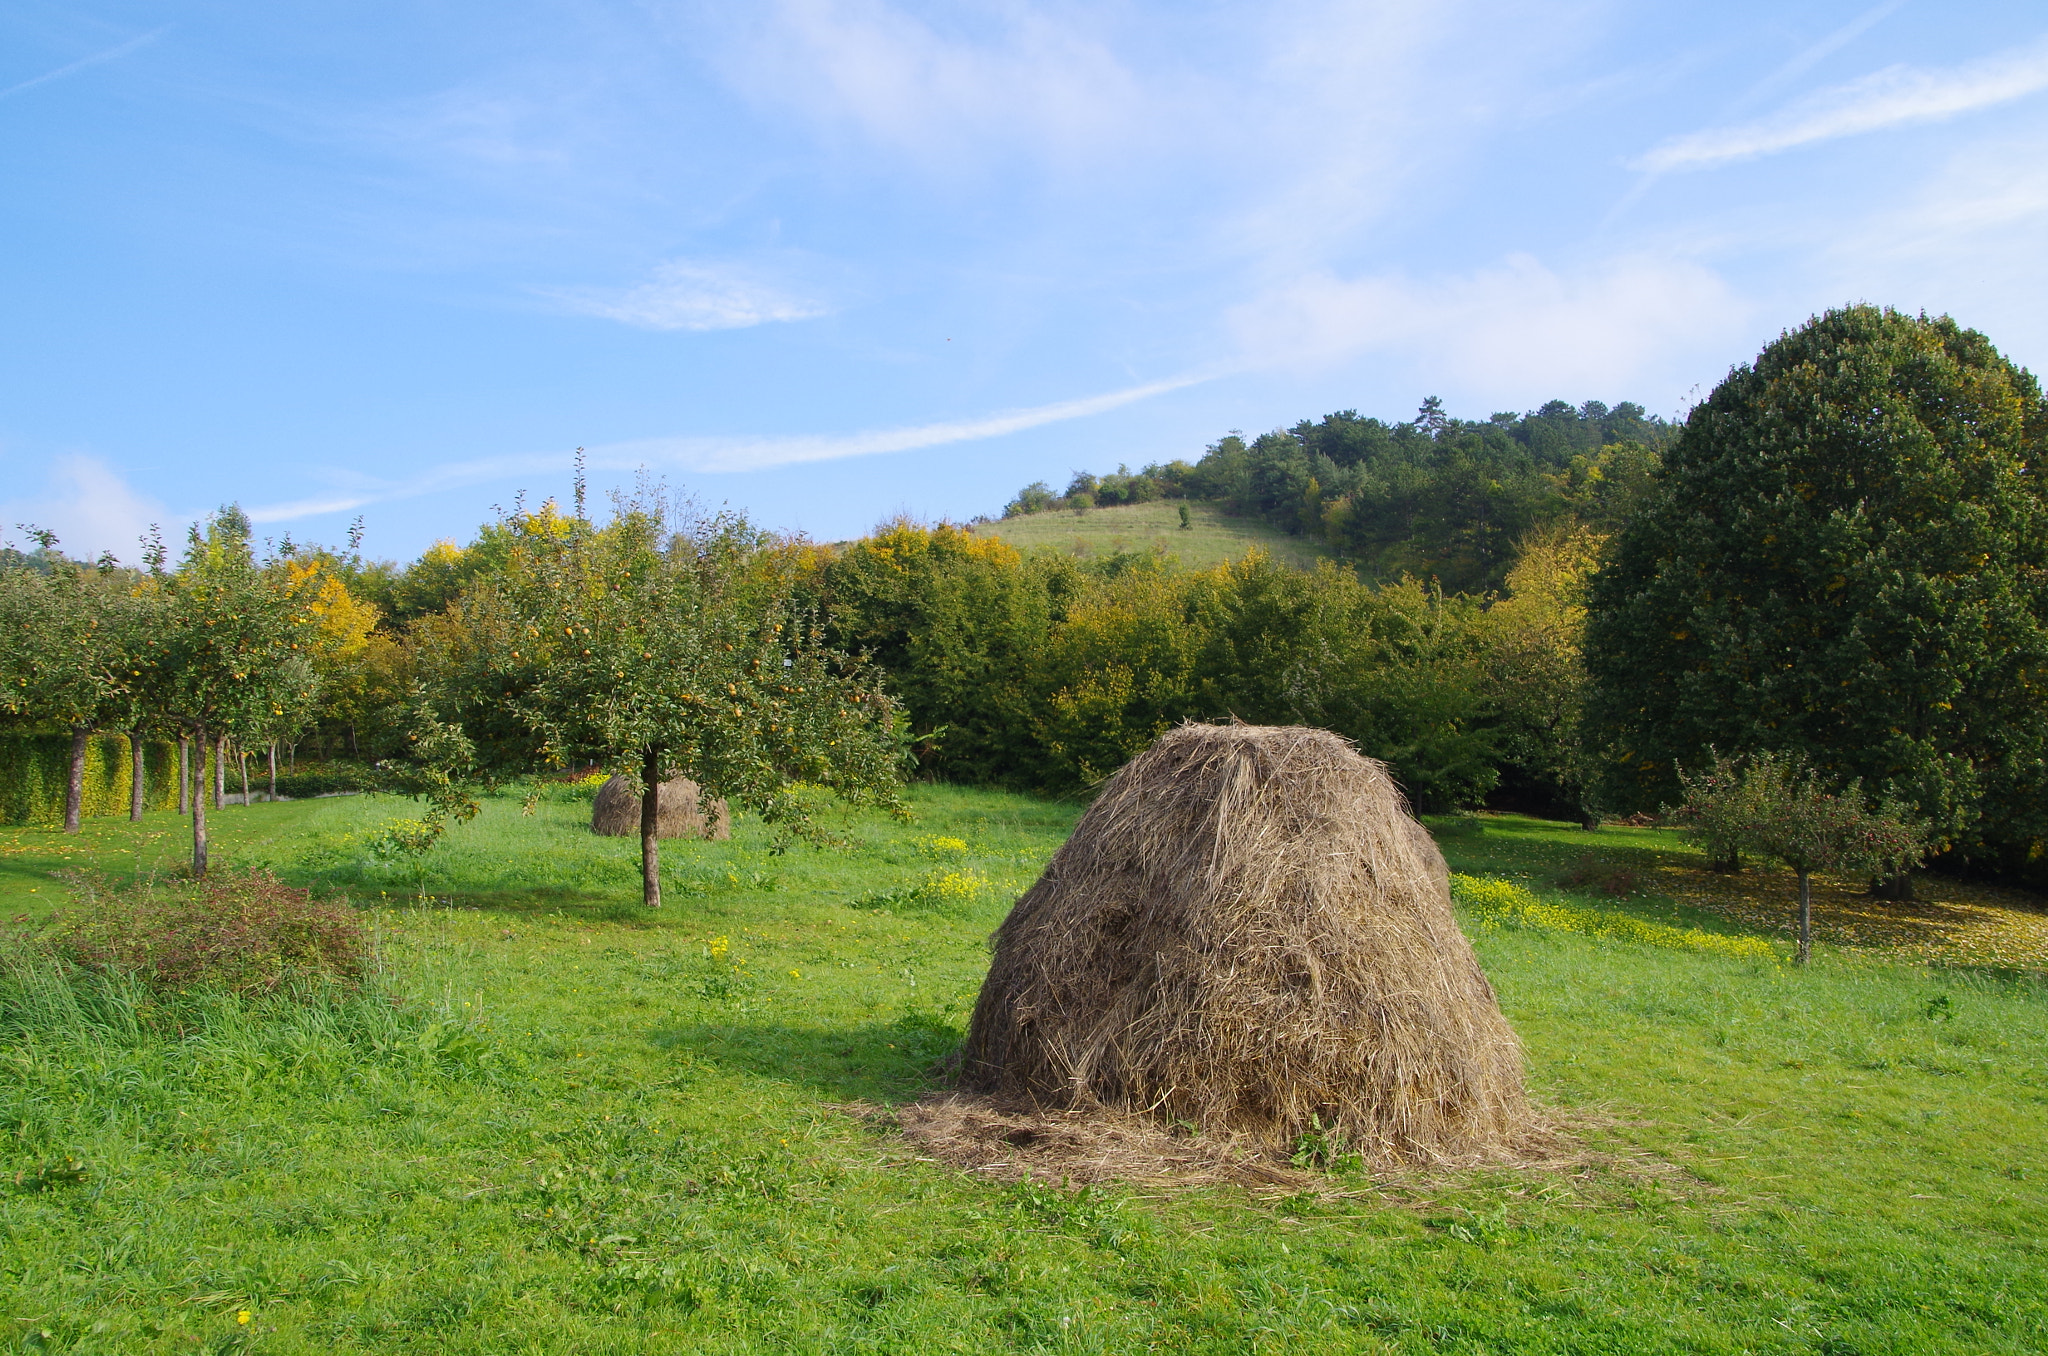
220	773
184	775
352	752
650	820
138	777
199	805
1729	865
1898	889
273	771
74	789
1805	918
242	761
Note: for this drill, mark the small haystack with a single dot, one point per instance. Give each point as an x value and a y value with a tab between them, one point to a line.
616	811
1248	933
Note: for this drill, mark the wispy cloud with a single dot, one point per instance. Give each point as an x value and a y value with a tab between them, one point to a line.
111	54
90	507
694	295
1893	97
936	91
724	455
1512	332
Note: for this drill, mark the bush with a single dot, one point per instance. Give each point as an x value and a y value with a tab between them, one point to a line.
246	934
317	779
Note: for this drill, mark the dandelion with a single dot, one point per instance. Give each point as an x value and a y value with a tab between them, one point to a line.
242	1315
794	975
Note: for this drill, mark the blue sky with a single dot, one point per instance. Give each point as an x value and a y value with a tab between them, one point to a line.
829	260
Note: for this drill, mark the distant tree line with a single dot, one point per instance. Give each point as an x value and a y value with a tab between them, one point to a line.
1435	497
1840	558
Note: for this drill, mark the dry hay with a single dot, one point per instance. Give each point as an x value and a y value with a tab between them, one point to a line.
1249	937
998	1142
616	811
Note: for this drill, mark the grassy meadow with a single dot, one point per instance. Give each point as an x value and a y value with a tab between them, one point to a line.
558	1124
1212	537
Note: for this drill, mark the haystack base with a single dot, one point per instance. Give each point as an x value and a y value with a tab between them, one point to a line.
1008	1142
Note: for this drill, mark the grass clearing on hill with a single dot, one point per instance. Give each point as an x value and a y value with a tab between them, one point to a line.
1213	538
557	1123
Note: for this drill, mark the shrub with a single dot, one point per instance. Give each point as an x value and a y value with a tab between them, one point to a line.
318	779
248	934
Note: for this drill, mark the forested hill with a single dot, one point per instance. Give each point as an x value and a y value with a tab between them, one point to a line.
1433	496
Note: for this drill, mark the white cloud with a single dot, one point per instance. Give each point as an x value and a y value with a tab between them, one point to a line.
905	83
1893	97
715	455
695	295
90	508
1511	332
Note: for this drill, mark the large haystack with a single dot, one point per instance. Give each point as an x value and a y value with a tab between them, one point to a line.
1250	934
616	811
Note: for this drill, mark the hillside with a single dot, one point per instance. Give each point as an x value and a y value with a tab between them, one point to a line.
1215	536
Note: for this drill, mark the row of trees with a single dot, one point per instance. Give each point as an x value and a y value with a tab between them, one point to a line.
222	647
661	643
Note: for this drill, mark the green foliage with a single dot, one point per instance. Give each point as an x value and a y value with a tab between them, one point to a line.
1773	805
34	771
1440	498
1848	561
1032	671
661	644
244	933
319	779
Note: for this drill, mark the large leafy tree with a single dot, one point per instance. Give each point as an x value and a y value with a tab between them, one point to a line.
663	643
232	654
1847	560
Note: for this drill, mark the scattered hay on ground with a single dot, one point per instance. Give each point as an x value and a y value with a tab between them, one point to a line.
1247	936
615	812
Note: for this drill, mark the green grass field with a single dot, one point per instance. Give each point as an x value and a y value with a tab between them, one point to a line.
560	1125
1213	538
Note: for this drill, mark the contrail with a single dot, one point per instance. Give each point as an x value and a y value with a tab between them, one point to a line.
111	54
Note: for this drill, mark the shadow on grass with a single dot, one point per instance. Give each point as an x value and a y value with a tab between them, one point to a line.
868	1061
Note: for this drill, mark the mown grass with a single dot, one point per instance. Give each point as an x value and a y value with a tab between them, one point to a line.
558	1124
1211	538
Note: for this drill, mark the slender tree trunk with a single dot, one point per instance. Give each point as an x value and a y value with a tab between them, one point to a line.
74	789
352	751
1729	865
1897	888
199	805
650	820
1805	918
138	777
220	773
242	761
184	775
273	771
